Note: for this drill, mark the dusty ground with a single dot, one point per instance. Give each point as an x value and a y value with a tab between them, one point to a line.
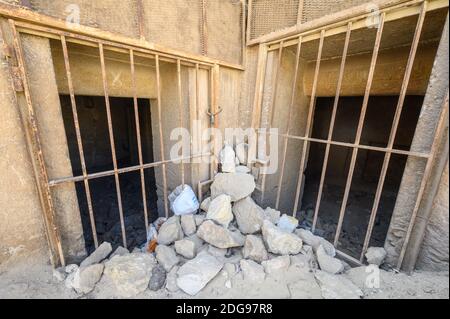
37	281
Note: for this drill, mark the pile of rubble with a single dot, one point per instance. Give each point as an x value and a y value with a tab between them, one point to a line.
230	236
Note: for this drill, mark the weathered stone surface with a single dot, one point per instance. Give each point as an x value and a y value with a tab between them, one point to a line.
327	263
85	278
219	236
166	257
170	231
277	266
242	169
242	152
130	274
220	210
279	242
248	216
315	241
157	278
254	249
287	223
252	271
205	204
59	274
375	255
236	185
196	273
70	268
199	219
120	251
171	279
186	248
227	159
188	224
98	255
216	252
272	215
367	278
337	286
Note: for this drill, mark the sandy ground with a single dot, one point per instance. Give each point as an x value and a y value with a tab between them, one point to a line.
37	281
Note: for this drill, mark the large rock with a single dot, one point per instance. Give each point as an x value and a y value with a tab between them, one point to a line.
337	286
242	153
196	273
130	273
375	255
254	249
188	224
171	280
166	257
205	204
252	271
315	241
227	159
218	236
236	185
170	231
220	210
98	255
327	263
186	248
272	215
85	278
158	278
199	219
287	223
280	242
248	215
277	266
120	251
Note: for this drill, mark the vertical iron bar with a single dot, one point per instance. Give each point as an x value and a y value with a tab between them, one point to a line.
398	112
332	121
180	105
111	140
360	126
312	104
294	84
79	140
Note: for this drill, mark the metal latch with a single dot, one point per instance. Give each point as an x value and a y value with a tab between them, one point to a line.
212	116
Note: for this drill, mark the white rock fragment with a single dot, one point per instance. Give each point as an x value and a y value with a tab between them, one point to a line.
188	224
277	266
199	219
220	210
205	204
186	248
272	215
194	275
59	274
254	249
375	255
337	286
252	271
216	252
248	215
219	236
170	231
166	257
98	255
315	241
287	223
120	251
227	159
279	242
327	263
70	268
236	185
85	278
171	279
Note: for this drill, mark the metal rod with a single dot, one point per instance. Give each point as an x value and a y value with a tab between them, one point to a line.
398	112
275	86
360	126
79	140
332	121
138	137
294	84
180	105
111	140
161	139
312	103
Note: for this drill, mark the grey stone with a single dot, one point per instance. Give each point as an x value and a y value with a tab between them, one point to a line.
287	223
248	216
252	271
171	280
280	242
59	274
236	185
315	241
186	248
120	251
375	255
130	274
86	277
220	210
194	275
327	263
71	268
272	215
188	224
199	219
205	204
337	286
170	231
254	249
277	266
219	236
216	252
98	255
157	278
166	257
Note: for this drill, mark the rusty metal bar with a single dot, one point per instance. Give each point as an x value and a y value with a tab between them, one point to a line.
138	137
180	105
79	140
443	117
161	139
291	105
37	158
398	112
275	86
312	104
332	121
360	126
111	141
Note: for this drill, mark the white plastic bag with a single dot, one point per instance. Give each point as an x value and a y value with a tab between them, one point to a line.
183	200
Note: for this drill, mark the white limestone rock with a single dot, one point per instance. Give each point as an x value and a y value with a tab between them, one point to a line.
98	255
188	224
219	236
327	263
280	242
236	185
337	286
252	271
170	231
272	215
205	204
220	210
186	248
166	257
375	255
254	249
248	215
287	223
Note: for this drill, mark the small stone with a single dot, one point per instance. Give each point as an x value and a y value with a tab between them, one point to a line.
220	210
120	251
242	153
287	223
337	286
166	257
277	266
227	159
171	280
248	215
196	273
188	224
236	185
85	278
252	271
205	204
98	255
315	241
375	255
170	231
219	236
71	268
254	249
272	215
59	274
216	252
327	263
157	278
186	248
280	242
199	219
242	169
